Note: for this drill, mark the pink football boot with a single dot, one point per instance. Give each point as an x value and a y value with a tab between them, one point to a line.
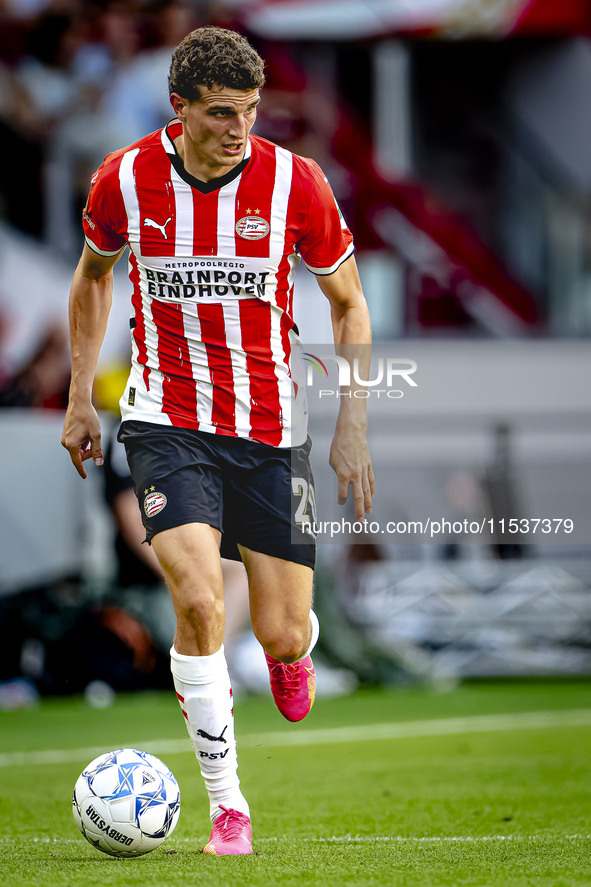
293	687
231	834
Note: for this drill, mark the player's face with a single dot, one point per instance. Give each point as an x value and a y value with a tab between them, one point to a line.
216	127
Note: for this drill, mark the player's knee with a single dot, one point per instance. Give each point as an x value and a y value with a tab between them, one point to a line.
207	610
290	646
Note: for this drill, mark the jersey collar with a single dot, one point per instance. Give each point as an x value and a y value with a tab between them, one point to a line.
174	157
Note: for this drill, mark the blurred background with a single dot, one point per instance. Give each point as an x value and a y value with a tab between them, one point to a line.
456	135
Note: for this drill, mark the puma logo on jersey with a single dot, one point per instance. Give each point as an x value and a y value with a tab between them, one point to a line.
150	223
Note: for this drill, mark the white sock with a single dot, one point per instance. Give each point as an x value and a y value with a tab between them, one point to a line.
204	691
315	634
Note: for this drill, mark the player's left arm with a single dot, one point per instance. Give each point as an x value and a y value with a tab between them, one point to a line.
349	454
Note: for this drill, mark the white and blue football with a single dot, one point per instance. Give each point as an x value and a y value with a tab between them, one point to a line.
126	802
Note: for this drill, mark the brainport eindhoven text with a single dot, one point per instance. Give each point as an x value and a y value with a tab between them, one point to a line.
207	283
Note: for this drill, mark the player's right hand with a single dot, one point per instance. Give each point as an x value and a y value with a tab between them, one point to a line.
81	437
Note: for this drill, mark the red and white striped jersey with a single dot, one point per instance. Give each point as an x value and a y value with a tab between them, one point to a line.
214	343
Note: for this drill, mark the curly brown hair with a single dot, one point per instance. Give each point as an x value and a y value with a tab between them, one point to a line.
212	55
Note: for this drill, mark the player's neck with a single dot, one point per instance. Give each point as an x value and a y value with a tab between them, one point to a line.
197	167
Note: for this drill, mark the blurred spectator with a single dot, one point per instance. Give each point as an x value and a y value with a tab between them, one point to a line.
33	294
137	101
44	75
85	134
120	96
44	380
21	179
25	9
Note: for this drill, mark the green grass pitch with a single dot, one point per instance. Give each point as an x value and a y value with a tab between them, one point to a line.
504	807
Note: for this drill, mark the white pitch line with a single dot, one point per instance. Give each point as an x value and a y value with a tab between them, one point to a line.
534	720
339	839
71	755
443	839
410	729
399	839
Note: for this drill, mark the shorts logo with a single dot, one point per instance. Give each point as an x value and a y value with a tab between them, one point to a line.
252	228
154	503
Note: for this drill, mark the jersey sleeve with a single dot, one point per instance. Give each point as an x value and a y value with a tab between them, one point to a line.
327	241
102	217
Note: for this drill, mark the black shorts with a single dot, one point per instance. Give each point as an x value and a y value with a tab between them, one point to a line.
238	486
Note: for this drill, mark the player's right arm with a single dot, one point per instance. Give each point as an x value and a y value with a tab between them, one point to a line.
90	303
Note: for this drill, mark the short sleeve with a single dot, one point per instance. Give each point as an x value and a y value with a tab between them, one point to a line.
102	217
327	241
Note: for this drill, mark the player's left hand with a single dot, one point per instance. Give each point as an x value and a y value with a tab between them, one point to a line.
81	436
351	462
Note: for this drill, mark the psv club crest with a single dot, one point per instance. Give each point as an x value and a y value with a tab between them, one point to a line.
252	227
154	502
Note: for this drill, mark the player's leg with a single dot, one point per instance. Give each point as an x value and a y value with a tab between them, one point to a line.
179	486
285	626
190	560
236	604
280	600
262	505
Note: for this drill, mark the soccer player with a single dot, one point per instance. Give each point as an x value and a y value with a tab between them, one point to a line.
213	414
